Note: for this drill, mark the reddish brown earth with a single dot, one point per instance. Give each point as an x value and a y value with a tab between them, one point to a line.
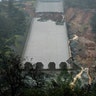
78	21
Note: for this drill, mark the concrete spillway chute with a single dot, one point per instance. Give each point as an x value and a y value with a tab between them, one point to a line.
47	41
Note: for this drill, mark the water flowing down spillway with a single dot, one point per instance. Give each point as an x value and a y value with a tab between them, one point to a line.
50	6
47	41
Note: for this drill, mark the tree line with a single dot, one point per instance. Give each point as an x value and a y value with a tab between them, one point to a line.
12	25
88	4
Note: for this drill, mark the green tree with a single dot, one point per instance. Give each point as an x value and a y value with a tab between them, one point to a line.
11	80
12	24
93	23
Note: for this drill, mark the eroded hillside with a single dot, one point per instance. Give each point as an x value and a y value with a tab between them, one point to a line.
82	41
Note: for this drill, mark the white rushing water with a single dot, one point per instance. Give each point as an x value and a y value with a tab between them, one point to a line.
49	6
47	42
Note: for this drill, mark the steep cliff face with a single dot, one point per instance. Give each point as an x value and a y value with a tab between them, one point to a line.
83	45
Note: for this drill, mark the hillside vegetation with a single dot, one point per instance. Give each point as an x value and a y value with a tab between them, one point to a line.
14	25
81	3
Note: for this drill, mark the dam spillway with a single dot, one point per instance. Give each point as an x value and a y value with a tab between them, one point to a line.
47	41
50	6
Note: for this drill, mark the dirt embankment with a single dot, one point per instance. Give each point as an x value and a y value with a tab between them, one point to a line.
81	36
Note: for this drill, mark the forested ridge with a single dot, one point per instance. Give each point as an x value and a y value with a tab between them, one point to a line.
12	26
81	3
